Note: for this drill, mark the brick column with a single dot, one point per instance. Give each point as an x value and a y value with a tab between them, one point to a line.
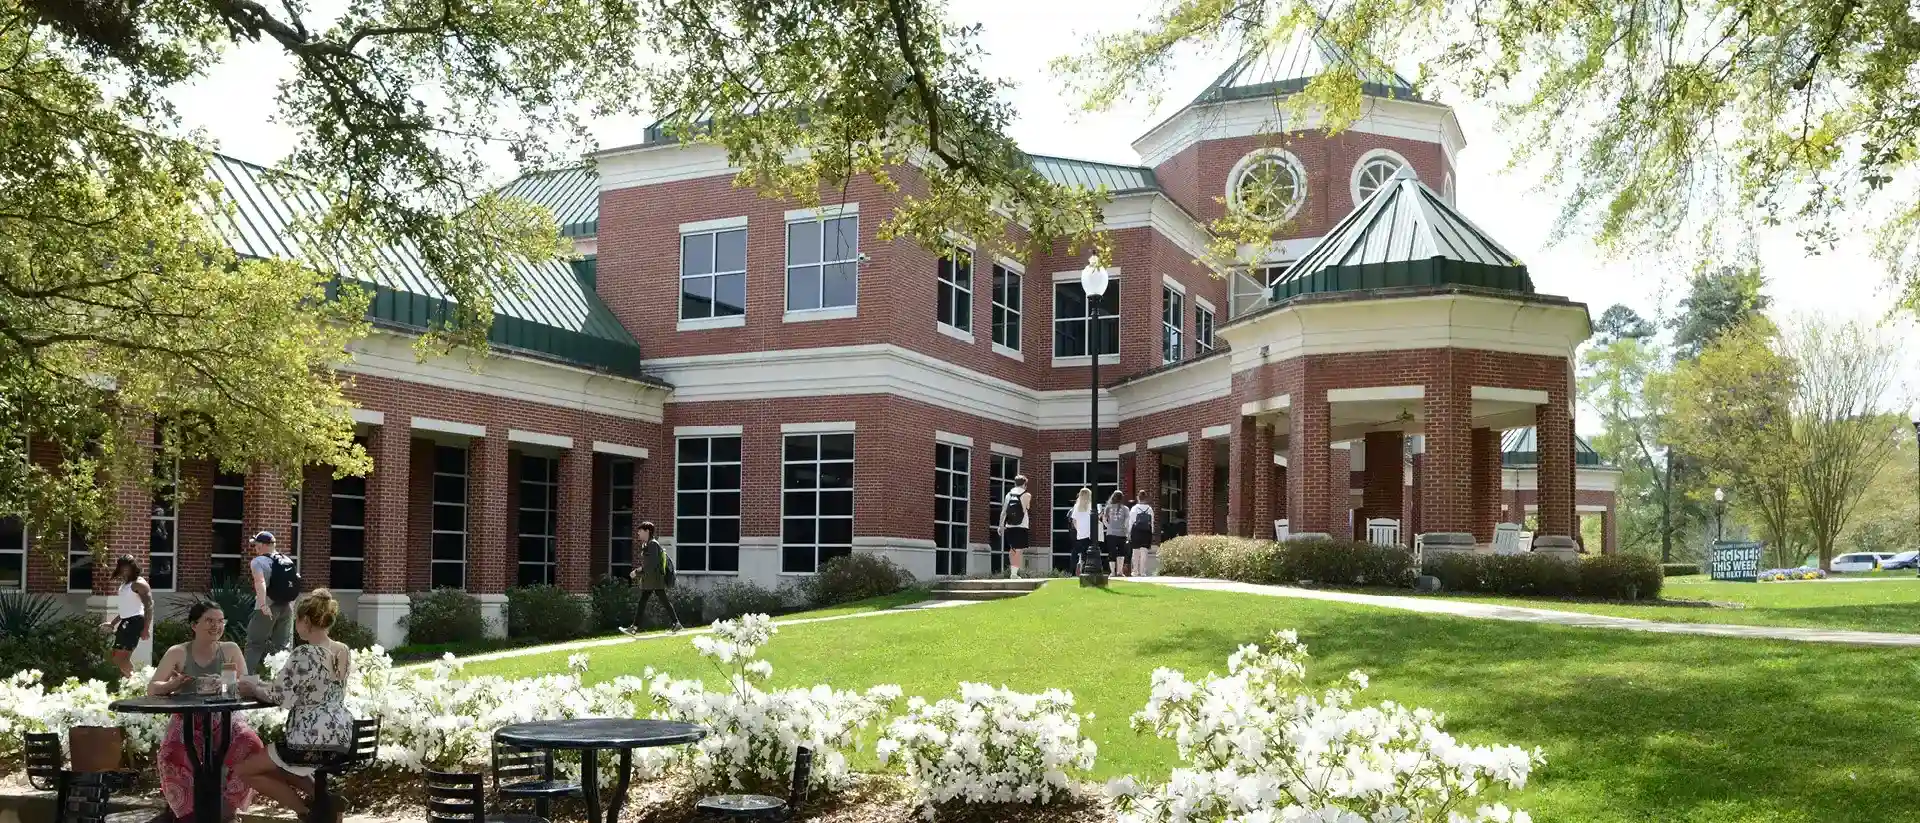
316	534
1486	483
1554	434
1340	492
389	490
1200	467
575	530
132	529
1240	459
1446	500
268	508
193	570
1264	509
1146	480
1609	533
491	566
1308	462
1381	492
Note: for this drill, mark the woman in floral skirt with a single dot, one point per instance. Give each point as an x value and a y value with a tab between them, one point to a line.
194	665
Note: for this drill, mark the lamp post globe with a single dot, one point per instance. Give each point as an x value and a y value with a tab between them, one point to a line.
1719	513
1094	279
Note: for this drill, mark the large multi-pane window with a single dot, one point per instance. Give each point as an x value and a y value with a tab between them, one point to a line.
294	531
347	534
79	559
950	499
706	525
1173	496
13	553
1068	478
1002	469
713	274
1070	320
539	518
163	527
449	541
823	263
1006	307
1202	330
228	563
1173	310
620	517
955	292
816	500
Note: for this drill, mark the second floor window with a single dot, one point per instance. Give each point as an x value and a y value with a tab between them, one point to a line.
1202	330
1173	308
1006	307
955	293
713	274
1070	320
823	263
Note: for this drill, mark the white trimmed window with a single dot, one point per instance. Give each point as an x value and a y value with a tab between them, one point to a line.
539	519
1068	478
1173	495
1173	310
950	481
1202	330
163	528
1269	184
79	559
294	531
449	517
226	559
1001	470
955	291
1374	172
816	500
706	525
1070	320
347	532
823	263
13	554
713	274
1006	307
620	517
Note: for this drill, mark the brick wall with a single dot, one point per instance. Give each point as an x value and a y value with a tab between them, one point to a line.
1329	163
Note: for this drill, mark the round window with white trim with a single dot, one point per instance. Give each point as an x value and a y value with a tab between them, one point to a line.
1270	186
1374	173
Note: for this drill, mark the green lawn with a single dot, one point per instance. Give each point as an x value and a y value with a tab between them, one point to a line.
1637	727
1877	606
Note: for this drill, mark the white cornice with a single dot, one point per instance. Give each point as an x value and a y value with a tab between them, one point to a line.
1165	216
1459	321
1425	122
390	355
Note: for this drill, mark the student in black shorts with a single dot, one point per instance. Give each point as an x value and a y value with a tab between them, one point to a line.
1113	519
132	621
1014	516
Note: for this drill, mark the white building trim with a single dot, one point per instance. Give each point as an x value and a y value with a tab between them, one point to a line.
618	450
1128	448
817	428
1170	440
1362	395
539	439
952	439
825	211
429	424
1531	397
730	321
706	431
717	224
1406	119
1081	456
1456	321
1002	448
1168	281
369	417
1276	403
1217	432
391	355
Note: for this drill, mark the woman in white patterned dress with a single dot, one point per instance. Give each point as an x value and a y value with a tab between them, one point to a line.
312	687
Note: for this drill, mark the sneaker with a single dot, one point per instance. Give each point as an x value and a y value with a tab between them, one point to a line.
676	629
630	631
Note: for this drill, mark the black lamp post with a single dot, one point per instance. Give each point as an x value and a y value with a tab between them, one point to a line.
1916	478
1719	514
1093	279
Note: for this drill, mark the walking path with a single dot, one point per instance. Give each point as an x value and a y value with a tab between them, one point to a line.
1487	611
578	645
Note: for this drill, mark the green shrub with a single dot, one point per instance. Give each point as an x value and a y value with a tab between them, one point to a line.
689	604
1621	577
1457	571
444	616
1679	569
735	598
1221	557
545	613
856	577
168	634
1604	577
36	634
612	602
1340	563
234	602
352	633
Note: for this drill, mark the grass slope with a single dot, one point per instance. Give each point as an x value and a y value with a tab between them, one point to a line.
1636	727
1874	606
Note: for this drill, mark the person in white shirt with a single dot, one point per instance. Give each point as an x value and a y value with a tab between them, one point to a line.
1086	526
1140	530
1014	512
133	613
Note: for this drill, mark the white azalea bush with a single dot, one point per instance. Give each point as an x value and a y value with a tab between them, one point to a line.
25	706
993	745
752	733
1263	749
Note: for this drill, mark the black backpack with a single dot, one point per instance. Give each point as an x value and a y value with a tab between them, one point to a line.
283	583
1015	513
1143	521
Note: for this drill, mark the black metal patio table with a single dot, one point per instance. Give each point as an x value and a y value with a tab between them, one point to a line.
209	758
591	735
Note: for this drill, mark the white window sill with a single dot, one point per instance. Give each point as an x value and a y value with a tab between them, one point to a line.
706	574
810	315
703	323
1083	361
1003	351
953	332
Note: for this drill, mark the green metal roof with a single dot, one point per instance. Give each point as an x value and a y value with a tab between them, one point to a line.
1520	448
572	194
1088	174
1290	66
1404	235
558	317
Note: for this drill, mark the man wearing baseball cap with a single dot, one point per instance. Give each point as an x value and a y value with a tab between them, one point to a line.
275	585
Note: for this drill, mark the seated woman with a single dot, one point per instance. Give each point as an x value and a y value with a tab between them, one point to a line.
312	687
197	666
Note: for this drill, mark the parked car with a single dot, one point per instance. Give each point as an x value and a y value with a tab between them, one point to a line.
1861	561
1903	560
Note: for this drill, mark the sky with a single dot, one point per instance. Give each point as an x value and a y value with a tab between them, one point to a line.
1020	37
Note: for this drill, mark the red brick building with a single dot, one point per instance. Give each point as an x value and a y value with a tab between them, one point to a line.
775	387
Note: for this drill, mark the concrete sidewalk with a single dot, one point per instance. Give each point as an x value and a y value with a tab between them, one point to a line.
1486	611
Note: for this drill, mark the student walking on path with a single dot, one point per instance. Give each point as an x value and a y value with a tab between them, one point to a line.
133	613
1114	518
654	576
1013	524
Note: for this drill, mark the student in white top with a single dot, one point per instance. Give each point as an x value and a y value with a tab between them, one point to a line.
1086	527
133	609
1140	531
1014	512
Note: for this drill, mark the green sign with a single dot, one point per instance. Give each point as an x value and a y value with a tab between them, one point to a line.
1736	561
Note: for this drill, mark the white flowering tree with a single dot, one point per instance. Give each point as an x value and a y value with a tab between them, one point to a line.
990	746
1262	748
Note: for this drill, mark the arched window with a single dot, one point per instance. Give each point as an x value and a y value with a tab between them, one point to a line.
1374	172
1270	185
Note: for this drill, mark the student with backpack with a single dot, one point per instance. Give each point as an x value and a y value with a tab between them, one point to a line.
275	586
654	576
1140	532
1014	523
1113	519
